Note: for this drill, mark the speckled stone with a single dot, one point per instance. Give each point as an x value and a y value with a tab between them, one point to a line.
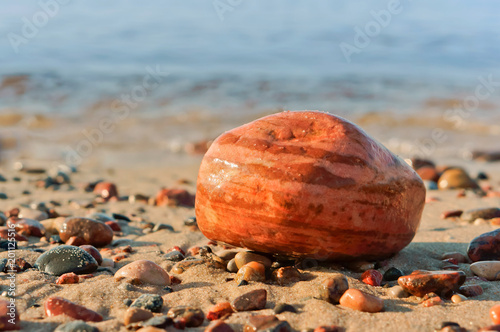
332	289
420	283
253	300
485	247
64	259
151	302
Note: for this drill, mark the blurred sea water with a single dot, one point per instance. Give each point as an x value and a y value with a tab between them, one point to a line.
252	56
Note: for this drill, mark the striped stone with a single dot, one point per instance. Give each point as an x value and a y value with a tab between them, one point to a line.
307	184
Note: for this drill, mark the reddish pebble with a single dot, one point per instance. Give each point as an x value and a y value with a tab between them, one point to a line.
174	248
86	231
68	278
420	283
219	310
5	234
93	252
428	173
495	314
144	271
9	318
174	197
372	277
451	214
485	247
106	190
174	280
331	328
113	225
490	328
471	290
453	261
25	226
432	302
55	306
358	300
119	257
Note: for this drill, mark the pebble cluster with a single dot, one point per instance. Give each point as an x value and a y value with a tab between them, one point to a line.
71	249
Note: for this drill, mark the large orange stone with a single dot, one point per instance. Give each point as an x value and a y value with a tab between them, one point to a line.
307	184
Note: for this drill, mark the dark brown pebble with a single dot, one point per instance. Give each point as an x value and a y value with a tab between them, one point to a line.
483	213
253	300
471	290
219	326
451	214
266	323
286	275
485	247
420	283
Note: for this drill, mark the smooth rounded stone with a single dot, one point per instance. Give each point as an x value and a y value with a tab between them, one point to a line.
64	259
283	307
28	227
219	310
495	314
33	214
133	315
174	256
253	300
455	255
144	271
159	227
227	254
490	270
107	262
9	317
231	266
55	306
76	326
358	300
218	326
3	196
151	302
481	213
253	271
286	275
157	321
174	197
420	283
456	178
329	191
485	247
261	323
192	317
457	298
392	274
471	290
92	251
106	190
87	231
245	257
332	289
428	173
372	277
398	292
6	233
68	278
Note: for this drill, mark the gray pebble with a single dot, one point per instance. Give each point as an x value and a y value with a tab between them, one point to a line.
76	326
151	302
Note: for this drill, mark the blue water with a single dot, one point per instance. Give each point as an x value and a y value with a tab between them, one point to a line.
266	54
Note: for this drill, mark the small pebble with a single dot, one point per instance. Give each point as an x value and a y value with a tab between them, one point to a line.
192	317
358	300
495	314
107	262
182	266
483	213
471	290
460	258
490	270
420	283
245	257
231	266
252	271
457	298
106	190
219	310
174	256
261	323
168	289
157	321
332	289
218	326
151	302
86	231
191	221
68	278
253	300
144	271
433	301
331	328
456	178
283	307
451	214
485	247
64	259
133	315
92	251
174	197
392	274
372	277
55	306
286	275
398	292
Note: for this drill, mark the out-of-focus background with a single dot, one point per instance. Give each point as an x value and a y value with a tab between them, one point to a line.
135	82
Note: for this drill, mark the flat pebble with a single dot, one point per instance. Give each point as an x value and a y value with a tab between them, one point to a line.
420	283
55	306
159	227
144	271
64	259
451	214
133	315
174	256
245	257
219	310
151	302
107	262
490	270
358	300
460	258
471	290
76	326
192	317
398	292
332	289
483	213
253	300
485	247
